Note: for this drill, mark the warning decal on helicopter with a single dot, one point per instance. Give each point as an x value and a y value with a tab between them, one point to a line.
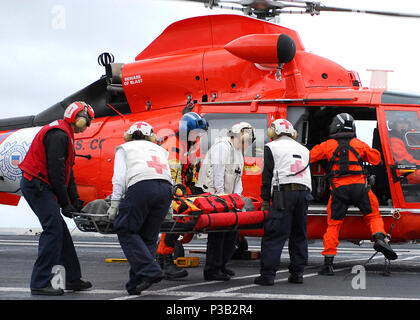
132	80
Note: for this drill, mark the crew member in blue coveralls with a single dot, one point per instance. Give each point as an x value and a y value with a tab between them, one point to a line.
286	180
140	200
48	185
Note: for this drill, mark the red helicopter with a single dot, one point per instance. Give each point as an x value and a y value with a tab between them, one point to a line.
231	68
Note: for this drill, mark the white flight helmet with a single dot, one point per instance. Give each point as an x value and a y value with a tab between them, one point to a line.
281	126
243	129
143	127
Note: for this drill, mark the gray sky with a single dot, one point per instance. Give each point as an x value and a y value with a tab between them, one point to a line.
48	49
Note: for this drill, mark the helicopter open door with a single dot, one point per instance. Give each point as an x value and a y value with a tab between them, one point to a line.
220	122
399	129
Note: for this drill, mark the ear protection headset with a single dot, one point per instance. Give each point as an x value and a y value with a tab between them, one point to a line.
127	136
245	137
244	130
82	119
80	114
271	132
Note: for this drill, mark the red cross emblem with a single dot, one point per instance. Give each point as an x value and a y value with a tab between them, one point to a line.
297	167
285	123
156	164
141	124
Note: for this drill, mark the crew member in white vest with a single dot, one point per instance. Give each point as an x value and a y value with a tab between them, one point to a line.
286	181
142	194
221	173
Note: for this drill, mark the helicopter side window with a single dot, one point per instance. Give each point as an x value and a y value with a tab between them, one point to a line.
220	123
404	137
404	133
298	116
412	140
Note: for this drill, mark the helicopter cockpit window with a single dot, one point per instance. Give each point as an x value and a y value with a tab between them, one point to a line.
220	123
404	137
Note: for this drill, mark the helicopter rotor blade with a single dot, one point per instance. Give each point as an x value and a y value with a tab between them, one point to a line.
318	7
270	8
262	4
315	7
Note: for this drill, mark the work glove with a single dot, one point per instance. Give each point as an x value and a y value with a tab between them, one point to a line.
113	209
371	180
77	204
265	205
68	210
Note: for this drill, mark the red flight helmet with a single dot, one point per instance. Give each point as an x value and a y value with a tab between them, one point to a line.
79	113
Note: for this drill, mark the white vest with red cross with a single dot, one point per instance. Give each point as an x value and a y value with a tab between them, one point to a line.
145	160
290	157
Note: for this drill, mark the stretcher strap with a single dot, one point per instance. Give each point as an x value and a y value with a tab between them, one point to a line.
235	207
235	210
211	203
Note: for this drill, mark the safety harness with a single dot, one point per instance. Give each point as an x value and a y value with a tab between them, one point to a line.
341	158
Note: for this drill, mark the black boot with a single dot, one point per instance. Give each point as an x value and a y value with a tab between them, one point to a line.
327	269
381	245
160	260
171	270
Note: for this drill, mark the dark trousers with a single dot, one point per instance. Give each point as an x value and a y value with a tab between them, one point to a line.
290	223
55	243
220	249
137	224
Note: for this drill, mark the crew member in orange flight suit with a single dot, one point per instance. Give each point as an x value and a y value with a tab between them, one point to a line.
184	144
345	154
399	150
